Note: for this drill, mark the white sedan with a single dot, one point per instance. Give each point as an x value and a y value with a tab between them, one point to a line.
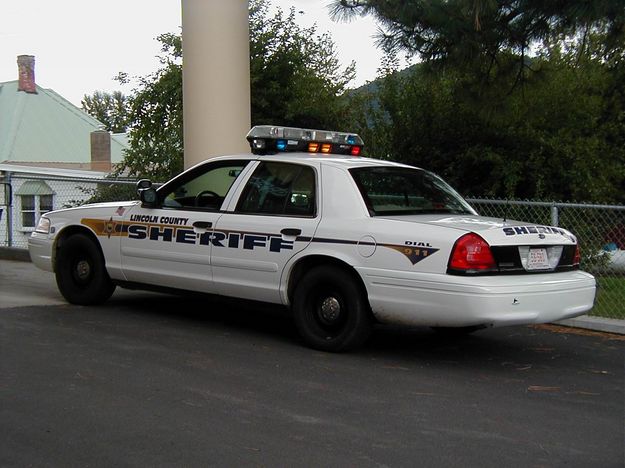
343	241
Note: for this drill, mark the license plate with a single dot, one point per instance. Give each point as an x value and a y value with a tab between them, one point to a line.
537	259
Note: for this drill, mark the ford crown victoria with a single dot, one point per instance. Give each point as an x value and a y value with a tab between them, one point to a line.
343	241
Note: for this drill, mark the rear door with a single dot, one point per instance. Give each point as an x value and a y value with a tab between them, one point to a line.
274	218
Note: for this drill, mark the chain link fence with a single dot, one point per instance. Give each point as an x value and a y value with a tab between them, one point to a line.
24	198
599	228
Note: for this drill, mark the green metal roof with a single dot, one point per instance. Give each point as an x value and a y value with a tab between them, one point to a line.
45	127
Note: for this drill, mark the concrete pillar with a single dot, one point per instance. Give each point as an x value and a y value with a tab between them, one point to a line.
216	78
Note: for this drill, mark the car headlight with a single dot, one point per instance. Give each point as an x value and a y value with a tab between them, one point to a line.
43	226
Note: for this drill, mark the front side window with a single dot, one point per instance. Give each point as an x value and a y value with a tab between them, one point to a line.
204	188
397	190
280	189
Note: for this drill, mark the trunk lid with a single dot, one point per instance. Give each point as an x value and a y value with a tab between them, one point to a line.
494	230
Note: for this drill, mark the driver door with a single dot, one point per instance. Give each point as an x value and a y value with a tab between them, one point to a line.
170	245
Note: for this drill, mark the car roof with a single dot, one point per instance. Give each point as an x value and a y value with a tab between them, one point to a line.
337	160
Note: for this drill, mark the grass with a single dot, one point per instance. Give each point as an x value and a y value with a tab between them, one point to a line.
610	298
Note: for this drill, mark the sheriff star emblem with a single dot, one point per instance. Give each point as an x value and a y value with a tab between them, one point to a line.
109	227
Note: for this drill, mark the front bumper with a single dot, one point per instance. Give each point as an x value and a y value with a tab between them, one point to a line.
40	249
492	301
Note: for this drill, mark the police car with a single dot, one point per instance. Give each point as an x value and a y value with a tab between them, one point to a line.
342	240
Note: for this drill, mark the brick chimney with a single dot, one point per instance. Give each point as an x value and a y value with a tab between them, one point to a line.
26	73
101	151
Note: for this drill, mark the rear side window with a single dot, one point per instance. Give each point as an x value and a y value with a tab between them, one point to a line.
280	189
398	190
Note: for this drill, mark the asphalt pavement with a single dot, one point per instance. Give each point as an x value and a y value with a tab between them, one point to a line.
158	380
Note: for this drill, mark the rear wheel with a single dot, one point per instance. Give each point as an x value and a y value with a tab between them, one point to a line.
80	272
330	310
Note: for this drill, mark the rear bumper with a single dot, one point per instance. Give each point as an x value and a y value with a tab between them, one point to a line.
492	301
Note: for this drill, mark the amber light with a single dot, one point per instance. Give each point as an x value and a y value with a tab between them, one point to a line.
313	147
326	148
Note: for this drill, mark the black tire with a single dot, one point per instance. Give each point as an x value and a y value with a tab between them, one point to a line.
80	272
331	311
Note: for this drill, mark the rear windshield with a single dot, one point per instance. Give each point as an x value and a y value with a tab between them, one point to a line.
398	191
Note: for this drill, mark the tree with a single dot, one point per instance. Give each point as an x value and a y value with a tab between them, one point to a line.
476	32
559	137
112	109
295	80
296	77
156	132
488	115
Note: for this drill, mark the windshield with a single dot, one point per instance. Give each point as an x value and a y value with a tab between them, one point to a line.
399	190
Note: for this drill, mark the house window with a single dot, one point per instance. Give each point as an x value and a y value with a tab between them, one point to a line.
36	198
33	206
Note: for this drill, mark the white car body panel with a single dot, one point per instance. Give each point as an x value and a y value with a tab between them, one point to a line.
41	245
167	264
455	301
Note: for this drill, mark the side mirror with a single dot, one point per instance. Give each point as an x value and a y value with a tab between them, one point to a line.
144	184
147	194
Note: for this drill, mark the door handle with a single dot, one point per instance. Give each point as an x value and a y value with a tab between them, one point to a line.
291	232
203	225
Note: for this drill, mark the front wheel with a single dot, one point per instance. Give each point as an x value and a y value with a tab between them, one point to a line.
80	272
331	311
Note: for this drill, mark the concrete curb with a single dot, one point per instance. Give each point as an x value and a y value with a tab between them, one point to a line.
12	253
595	323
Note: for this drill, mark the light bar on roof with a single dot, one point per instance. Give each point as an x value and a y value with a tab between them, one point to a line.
268	139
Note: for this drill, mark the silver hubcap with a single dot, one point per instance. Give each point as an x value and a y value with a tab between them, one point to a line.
330	309
83	269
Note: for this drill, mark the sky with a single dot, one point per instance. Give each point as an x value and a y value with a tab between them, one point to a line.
81	45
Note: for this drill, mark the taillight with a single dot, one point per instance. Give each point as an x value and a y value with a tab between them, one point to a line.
471	254
577	257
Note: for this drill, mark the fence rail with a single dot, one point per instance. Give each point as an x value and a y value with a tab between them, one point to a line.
599	228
